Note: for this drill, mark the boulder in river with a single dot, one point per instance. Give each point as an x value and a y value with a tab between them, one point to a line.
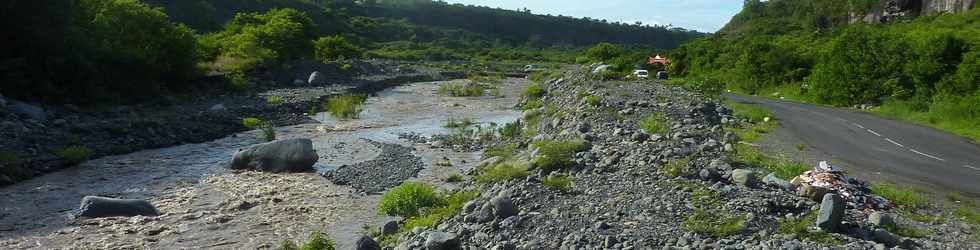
99	207
292	155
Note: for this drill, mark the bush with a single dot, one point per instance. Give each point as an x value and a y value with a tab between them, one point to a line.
593	100
534	91
345	106
267	128
433	215
260	38
327	49
251	122
556	155
273	100
503	172
461	90
408	199
604	52
318	241
455	177
511	130
74	155
658	123
459	123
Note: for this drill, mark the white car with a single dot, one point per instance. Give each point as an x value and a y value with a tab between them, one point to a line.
641	73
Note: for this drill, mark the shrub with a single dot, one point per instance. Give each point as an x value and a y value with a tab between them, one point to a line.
511	130
433	215
345	106
267	128
658	123
273	100
593	100
557	154
801	227
461	90
676	168
503	172
604	52
408	199
327	49
74	155
251	122
561	183
459	123
534	91
318	241
259	38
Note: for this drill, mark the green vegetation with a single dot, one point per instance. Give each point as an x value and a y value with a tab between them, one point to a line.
905	197
783	168
318	241
75	154
432	215
505	151
604	52
593	101
409	199
251	40
706	219
459	123
561	183
511	130
251	122
267	128
676	168
801	228
348	106
331	48
455	177
461	90
923	70
751	113
273	100
556	155
11	166
657	123
503	172
907	231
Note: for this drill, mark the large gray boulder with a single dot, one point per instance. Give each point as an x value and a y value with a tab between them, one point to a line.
365	242
292	155
99	207
503	207
28	111
442	241
744	177
772	180
831	213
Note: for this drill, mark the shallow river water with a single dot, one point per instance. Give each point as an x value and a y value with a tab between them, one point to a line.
205	205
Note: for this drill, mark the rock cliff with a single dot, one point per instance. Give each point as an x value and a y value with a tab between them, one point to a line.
889	10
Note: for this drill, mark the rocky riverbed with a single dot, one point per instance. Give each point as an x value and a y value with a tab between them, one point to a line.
673	189
203	204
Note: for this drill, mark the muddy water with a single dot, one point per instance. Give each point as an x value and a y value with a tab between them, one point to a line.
205	205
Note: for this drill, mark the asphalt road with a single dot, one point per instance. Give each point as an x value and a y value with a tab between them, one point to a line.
899	151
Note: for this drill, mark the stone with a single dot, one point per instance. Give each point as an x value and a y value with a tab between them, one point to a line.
217	108
831	213
442	241
316	78
708	174
100	207
292	155
719	165
486	213
503	207
814	193
639	136
365	242
884	237
772	180
744	177
28	111
389	227
880	219
583	127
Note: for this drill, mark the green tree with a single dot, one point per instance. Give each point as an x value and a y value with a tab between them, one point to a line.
604	52
331	48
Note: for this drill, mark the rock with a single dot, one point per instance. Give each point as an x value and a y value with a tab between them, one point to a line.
639	136
884	237
744	177
583	127
217	108
316	78
99	207
365	242
292	155
792	245
881	220
28	111
503	207
486	213
389	227
772	180
814	193
442	241
831	213
719	165
709	174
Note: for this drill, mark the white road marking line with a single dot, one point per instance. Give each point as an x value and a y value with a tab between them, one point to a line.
894	142
972	167
859	125
927	155
873	132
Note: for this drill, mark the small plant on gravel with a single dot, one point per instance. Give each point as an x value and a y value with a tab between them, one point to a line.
783	168
713	223
345	106
658	123
561	183
676	168
593	101
273	100
502	172
459	122
432	215
461	90
511	130
801	228
455	177
267	128
557	154
408	199
534	91
505	151
251	122
74	155
318	241
969	212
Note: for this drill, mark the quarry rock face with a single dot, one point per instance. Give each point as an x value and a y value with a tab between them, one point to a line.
890	10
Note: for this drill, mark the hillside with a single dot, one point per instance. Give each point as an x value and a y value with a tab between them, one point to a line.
918	68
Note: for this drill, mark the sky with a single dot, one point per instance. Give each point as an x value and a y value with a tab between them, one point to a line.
701	15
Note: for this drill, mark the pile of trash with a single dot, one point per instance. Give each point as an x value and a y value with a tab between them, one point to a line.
826	178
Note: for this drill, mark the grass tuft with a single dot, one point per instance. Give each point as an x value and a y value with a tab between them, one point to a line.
561	183
345	106
676	168
801	227
273	100
74	155
658	123
461	90
708	222
408	199
904	197
557	154
503	172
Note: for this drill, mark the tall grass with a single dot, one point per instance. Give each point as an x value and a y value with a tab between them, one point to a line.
461	90
904	197
557	154
347	106
408	199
